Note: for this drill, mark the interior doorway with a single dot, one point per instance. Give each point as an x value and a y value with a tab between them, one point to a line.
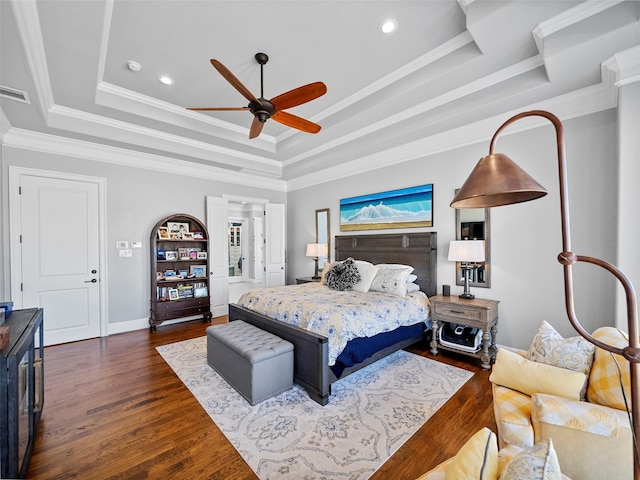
245	247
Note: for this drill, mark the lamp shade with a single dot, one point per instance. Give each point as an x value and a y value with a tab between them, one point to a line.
496	180
466	251
316	250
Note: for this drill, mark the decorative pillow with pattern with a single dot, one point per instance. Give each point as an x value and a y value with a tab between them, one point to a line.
391	280
551	348
539	462
343	275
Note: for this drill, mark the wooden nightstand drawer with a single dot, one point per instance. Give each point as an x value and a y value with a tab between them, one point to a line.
458	312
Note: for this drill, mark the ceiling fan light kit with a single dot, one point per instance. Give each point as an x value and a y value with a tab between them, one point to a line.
263	109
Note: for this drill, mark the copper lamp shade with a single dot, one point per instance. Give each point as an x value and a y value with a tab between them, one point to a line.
497	180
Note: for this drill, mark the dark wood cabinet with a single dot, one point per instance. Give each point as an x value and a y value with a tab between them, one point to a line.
179	270
21	391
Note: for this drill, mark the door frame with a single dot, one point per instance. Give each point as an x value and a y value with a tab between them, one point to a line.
15	173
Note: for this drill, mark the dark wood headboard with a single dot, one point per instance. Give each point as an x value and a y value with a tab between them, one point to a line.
416	249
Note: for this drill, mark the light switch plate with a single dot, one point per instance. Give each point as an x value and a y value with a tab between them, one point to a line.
126	252
136	244
120	244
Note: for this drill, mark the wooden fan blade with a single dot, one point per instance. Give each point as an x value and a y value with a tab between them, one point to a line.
294	121
206	109
299	95
230	77
256	128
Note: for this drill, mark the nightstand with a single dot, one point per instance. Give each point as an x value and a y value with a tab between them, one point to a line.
478	312
306	280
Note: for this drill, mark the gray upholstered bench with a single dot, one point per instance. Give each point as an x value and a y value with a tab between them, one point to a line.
256	363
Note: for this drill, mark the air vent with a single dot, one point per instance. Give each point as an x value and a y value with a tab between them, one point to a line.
13	94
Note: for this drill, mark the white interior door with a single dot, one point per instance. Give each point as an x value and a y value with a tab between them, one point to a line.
258	248
275	245
217	225
59	255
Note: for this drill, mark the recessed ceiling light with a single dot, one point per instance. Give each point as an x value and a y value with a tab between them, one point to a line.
388	26
134	66
163	79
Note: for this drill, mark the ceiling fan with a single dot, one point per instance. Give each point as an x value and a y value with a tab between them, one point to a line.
263	109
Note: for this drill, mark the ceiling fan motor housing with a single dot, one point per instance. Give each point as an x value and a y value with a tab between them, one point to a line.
262	109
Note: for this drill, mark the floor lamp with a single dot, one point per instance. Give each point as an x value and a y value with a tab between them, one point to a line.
496	180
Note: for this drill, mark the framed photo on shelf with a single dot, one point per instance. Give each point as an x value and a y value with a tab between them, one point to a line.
173	294
163	233
183	253
198	235
198	270
200	292
171	255
161	255
187	236
202	255
159	275
183	273
178	228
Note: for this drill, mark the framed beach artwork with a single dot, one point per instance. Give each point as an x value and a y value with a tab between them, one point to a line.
403	208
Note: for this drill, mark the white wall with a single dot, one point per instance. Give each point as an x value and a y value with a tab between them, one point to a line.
136	200
526	277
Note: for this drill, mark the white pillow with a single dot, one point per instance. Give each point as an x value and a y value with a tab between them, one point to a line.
412	278
367	272
391	280
396	265
412	287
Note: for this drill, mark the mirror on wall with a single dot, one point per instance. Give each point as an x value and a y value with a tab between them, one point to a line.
323	234
474	224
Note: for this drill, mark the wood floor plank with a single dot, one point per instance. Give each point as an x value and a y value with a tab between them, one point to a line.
114	410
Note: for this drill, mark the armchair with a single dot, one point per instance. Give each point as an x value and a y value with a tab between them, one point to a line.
590	429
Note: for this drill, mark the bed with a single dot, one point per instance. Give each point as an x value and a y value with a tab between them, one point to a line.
311	350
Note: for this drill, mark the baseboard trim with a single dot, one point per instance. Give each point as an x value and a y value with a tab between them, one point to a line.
141	324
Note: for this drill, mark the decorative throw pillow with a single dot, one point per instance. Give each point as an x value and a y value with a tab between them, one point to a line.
367	273
343	275
513	371
538	462
610	372
477	459
551	348
391	280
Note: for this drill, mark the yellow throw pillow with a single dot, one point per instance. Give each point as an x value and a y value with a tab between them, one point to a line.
607	371
516	372
477	459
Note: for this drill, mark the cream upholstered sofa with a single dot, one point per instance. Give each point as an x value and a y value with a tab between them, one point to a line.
547	398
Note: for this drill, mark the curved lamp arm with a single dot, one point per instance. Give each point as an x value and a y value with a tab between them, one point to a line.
495	181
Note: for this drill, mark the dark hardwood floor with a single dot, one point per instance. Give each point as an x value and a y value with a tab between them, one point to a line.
115	410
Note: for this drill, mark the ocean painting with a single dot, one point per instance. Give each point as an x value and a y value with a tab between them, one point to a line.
404	208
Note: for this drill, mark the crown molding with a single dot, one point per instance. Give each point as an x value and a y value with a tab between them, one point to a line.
569	17
424	107
46	143
28	23
575	104
68	119
623	68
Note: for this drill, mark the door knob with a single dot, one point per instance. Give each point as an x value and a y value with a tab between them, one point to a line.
93	280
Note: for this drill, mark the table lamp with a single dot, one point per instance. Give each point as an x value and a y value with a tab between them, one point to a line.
466	252
316	250
496	180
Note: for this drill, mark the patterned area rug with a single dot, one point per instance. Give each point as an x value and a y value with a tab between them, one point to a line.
370	415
